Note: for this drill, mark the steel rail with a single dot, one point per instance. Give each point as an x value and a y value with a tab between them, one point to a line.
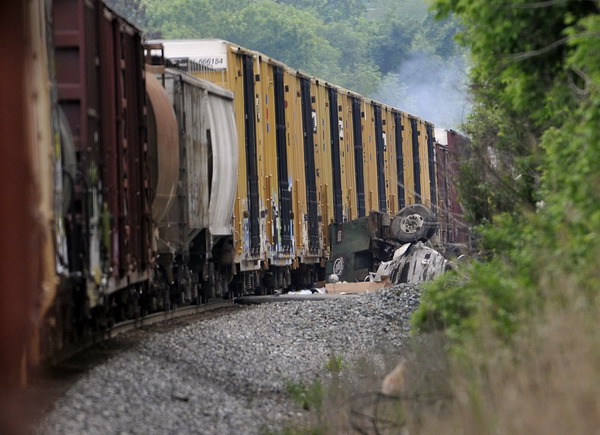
133	324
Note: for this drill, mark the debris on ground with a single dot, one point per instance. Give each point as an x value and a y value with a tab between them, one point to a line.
412	263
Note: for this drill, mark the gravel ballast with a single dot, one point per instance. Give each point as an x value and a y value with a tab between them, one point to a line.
228	375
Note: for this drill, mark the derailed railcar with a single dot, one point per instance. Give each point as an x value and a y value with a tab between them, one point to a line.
313	155
394	183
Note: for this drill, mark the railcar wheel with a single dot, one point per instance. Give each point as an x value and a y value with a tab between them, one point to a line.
413	223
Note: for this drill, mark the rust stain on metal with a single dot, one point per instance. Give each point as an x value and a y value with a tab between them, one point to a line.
21	233
163	138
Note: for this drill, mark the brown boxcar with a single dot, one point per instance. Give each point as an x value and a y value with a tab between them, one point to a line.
101	90
450	146
26	200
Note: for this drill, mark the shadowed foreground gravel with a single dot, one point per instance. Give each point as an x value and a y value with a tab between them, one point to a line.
227	375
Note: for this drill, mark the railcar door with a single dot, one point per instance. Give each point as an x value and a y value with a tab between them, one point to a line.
400	160
416	160
335	156
309	166
358	156
431	157
285	194
380	153
251	164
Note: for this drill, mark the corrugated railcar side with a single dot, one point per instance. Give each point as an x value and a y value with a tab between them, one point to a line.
101	90
336	157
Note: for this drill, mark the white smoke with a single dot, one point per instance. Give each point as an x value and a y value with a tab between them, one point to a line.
431	88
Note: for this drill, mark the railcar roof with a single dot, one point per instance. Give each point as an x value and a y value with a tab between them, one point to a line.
213	52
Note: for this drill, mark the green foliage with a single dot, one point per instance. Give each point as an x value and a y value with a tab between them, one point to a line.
330	10
447	304
298	38
134	10
335	364
480	297
307	395
533	176
352	43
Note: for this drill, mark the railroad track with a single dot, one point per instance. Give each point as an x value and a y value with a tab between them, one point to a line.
132	325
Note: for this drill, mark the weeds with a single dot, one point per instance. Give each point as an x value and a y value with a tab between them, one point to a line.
546	382
335	364
308	395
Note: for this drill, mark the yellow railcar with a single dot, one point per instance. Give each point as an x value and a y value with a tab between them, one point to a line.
390	164
311	156
323	160
408	161
348	173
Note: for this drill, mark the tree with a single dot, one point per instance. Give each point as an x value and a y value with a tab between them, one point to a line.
520	83
352	43
330	10
534	185
133	10
298	42
392	44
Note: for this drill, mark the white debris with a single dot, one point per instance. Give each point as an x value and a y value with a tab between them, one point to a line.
412	263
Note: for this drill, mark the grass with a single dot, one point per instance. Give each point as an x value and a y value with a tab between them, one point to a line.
335	364
346	398
545	381
308	395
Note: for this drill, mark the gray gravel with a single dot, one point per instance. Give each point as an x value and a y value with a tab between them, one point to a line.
228	375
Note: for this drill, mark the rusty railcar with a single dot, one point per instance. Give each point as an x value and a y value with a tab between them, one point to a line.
26	200
100	80
101	97
117	193
147	200
450	146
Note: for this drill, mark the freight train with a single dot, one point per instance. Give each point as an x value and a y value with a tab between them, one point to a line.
321	170
174	172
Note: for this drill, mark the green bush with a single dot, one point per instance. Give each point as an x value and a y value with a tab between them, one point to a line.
307	394
479	296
